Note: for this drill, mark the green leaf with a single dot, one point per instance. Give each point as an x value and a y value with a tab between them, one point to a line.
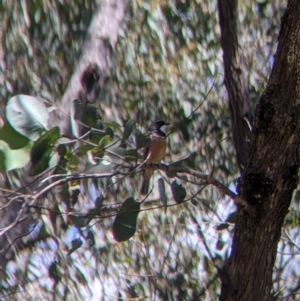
132	155
140	140
90	117
54	271
91	239
75	244
232	218
222	226
128	129
14	149
13	158
41	151
162	193
124	225
73	161
105	140
95	137
43	144
2	161
27	115
178	191
112	124
110	132
83	149
63	152
220	244
12	137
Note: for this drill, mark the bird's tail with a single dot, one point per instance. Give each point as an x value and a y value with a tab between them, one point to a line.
146	181
145	186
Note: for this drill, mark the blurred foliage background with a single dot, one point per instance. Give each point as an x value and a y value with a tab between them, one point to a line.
167	59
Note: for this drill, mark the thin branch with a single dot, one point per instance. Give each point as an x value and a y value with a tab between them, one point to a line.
16	221
16	198
68	178
13	241
210	180
206	178
205	97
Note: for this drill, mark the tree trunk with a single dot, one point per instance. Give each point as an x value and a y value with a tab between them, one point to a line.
271	173
239	106
96	61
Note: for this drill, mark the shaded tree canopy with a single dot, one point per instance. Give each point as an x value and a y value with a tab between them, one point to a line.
104	70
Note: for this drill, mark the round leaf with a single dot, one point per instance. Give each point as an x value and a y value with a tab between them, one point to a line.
75	244
12	138
178	191
124	225
13	158
232	218
27	115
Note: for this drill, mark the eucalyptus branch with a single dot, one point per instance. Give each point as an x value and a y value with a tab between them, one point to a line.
167	168
209	180
69	178
201	103
20	218
16	198
205	179
177	169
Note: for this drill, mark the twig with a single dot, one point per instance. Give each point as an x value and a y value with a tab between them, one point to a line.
177	169
209	180
201	103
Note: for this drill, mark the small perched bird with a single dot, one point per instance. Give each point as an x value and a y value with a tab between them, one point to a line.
154	151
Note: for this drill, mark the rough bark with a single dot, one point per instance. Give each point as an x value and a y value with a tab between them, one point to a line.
96	61
271	173
239	106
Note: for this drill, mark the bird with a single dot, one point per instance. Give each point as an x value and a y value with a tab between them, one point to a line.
154	151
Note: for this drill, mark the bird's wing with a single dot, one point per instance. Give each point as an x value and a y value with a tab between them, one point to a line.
146	148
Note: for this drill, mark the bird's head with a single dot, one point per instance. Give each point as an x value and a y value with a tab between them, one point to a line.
156	125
